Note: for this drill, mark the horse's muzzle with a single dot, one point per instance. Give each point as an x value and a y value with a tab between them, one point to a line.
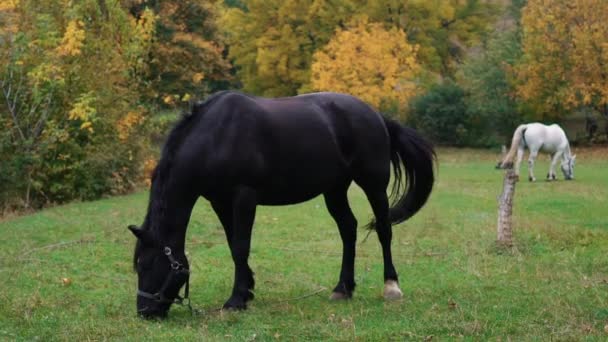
149	309
147	313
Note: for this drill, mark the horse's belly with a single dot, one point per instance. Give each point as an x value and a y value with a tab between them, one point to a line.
548	148
290	193
271	198
298	187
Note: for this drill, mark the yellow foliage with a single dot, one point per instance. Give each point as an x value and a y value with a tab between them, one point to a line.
44	73
169	99
73	39
88	126
84	111
198	77
149	166
370	62
565	46
126	124
145	26
8	17
271	43
7	5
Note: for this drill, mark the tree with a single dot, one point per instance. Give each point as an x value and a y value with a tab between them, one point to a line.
187	56
443	29
565	56
370	62
443	116
272	41
487	78
70	108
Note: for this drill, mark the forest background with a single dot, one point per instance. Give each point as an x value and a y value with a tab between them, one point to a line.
90	87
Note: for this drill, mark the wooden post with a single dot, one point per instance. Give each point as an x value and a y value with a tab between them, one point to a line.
505	209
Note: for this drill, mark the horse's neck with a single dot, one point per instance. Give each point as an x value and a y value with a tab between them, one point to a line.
567	153
168	216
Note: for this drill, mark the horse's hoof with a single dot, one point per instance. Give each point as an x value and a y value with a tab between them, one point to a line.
339	296
532	179
235	303
392	290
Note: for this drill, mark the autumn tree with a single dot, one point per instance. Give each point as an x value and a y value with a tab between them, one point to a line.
487	77
70	109
370	62
272	41
565	60
443	29
187	57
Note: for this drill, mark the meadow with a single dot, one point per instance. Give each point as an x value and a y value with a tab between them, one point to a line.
66	272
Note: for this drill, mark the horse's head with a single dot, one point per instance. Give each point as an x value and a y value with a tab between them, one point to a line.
568	167
161	273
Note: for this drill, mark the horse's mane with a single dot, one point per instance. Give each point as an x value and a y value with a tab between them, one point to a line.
162	171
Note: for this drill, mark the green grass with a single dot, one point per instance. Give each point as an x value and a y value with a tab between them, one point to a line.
457	283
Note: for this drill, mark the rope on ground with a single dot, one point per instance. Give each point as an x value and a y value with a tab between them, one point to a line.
57	245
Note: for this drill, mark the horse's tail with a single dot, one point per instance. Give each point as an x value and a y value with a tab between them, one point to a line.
518	136
417	156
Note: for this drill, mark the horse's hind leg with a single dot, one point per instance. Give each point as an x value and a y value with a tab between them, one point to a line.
379	202
520	156
531	159
337	205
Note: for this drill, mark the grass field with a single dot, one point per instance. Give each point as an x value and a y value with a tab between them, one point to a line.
66	272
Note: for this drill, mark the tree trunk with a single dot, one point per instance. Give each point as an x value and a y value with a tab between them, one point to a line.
505	209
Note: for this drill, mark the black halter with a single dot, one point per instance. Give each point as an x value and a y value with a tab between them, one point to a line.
176	269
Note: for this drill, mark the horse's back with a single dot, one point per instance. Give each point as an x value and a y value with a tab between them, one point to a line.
549	138
290	149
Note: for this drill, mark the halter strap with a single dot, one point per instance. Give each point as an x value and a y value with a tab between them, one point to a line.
176	268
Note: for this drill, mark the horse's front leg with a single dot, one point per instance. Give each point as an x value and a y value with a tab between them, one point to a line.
243	214
224	211
531	160
554	158
337	205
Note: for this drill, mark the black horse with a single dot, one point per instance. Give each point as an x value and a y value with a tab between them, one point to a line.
240	151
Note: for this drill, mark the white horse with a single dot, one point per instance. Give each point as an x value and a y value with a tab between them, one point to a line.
538	137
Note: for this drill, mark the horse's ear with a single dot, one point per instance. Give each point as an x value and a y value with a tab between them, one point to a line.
141	234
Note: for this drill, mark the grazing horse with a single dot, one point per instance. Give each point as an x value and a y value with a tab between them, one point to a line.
239	151
538	137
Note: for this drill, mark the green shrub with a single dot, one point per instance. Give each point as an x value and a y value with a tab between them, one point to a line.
443	116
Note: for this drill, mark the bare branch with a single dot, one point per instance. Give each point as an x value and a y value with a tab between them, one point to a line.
16	95
11	106
40	124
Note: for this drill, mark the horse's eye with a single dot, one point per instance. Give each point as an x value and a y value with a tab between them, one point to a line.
144	263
